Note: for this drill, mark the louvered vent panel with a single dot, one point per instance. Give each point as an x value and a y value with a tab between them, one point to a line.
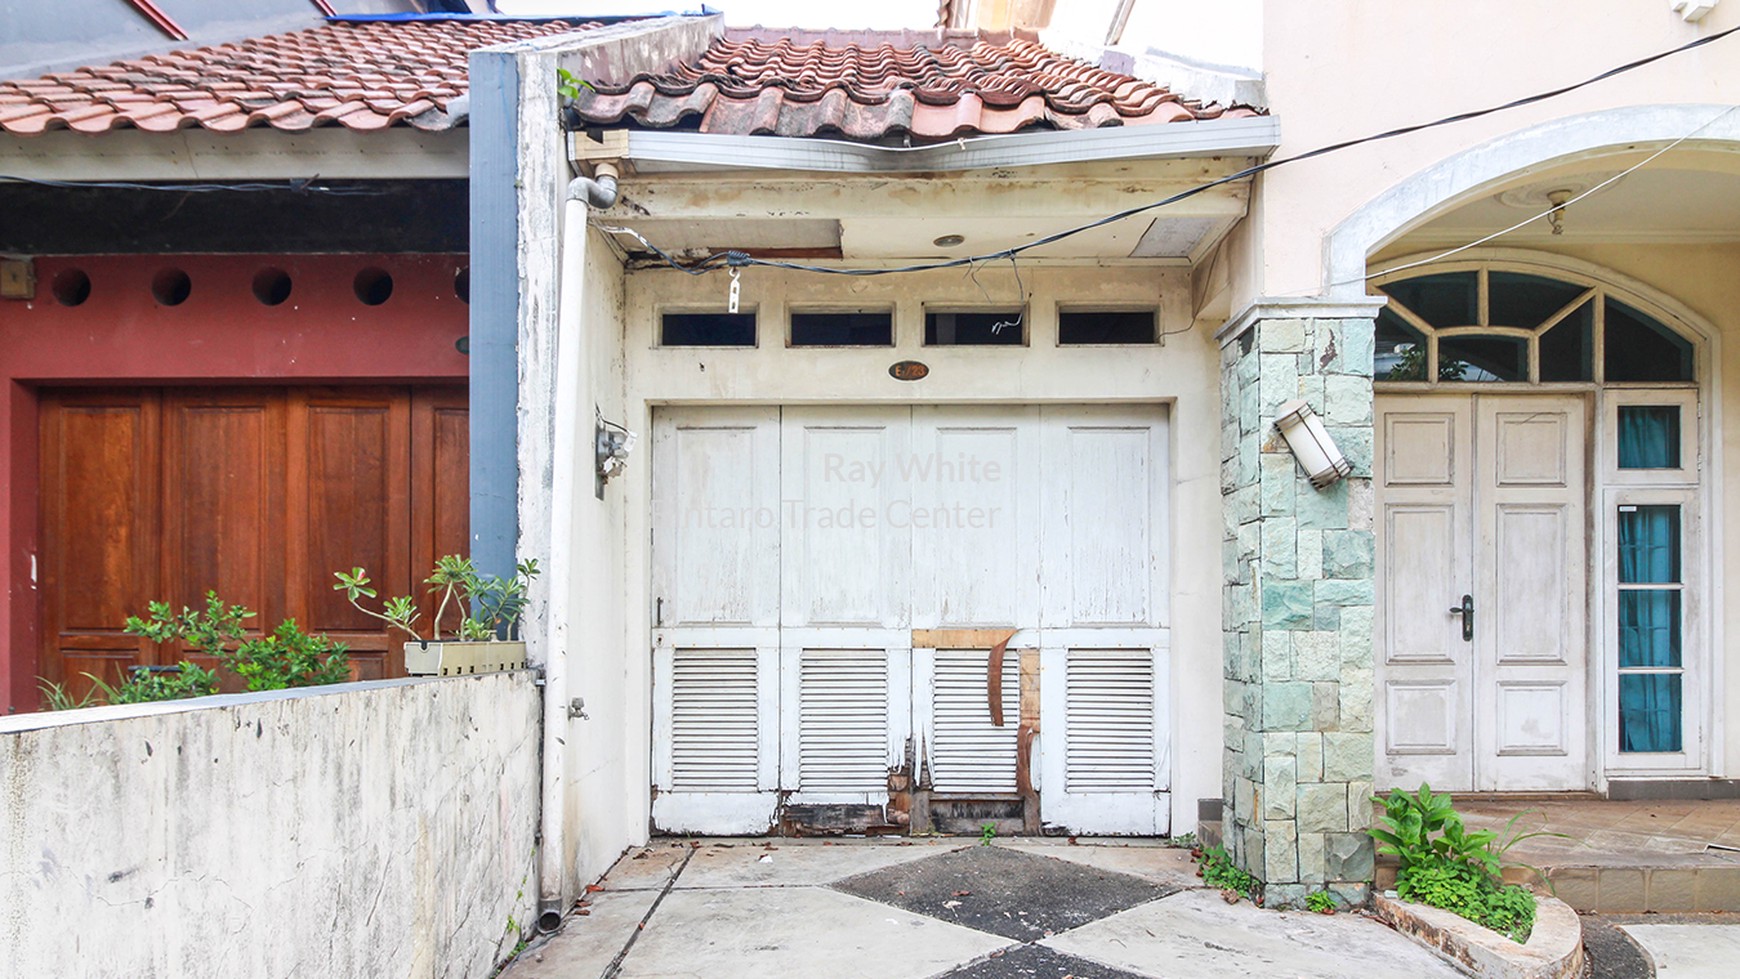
1110	738
713	722
967	754
843	720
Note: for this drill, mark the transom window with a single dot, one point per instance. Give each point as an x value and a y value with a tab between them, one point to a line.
1475	323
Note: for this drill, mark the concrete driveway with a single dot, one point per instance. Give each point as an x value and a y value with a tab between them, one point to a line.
901	909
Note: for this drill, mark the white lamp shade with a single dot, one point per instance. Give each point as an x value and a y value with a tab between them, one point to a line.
1309	439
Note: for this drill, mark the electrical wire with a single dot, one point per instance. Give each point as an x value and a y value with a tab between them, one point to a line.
294	185
738	259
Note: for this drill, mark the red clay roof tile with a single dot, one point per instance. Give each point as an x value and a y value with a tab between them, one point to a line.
874	85
362	75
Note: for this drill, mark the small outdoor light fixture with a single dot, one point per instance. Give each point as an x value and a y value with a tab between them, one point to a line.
948	241
613	444
1311	444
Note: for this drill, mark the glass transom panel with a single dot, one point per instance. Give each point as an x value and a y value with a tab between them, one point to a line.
1542	330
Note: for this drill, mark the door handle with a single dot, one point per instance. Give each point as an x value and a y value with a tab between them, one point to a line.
1466	610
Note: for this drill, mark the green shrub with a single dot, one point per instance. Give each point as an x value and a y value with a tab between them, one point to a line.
1218	870
286	658
143	685
289	658
1443	864
1322	902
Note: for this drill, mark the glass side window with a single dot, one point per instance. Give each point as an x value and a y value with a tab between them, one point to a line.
1651	634
1649	436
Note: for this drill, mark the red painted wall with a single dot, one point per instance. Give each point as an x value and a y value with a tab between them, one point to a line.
122	334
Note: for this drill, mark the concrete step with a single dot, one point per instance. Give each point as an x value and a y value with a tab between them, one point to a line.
1662	884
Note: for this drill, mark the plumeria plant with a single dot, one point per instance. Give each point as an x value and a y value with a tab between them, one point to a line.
496	604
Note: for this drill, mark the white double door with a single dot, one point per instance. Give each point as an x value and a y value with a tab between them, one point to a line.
797	550
1482	598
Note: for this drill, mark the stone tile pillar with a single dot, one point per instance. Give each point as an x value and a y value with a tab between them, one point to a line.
1297	610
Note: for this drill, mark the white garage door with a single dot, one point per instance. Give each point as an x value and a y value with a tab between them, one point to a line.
798	551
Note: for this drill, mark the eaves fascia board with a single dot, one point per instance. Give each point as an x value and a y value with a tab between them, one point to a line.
1252	136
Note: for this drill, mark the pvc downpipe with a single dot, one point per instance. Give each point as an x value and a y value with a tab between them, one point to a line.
598	190
567	433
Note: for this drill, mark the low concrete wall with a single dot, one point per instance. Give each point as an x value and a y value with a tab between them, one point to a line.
370	829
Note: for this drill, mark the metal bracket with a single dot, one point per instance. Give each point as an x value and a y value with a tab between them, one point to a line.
577	709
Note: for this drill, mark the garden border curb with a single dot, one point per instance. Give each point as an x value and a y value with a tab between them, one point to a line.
1554	949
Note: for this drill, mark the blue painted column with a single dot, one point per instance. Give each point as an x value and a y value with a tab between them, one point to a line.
495	298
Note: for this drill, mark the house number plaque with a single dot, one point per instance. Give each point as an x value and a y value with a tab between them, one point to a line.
908	370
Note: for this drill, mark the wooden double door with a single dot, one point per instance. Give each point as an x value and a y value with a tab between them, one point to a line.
258	493
1482	592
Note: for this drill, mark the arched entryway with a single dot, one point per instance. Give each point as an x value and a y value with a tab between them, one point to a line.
1542	566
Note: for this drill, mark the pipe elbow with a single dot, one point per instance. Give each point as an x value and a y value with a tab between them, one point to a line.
598	191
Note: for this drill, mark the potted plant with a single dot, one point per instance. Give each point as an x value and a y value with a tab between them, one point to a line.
487	638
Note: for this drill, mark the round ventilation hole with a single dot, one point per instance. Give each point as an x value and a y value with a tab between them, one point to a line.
462	285
171	287
72	287
373	286
271	286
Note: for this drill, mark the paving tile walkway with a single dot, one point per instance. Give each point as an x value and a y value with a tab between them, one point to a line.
946	908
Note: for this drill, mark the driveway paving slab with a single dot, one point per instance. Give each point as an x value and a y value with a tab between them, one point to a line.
1005	892
1038	962
948	908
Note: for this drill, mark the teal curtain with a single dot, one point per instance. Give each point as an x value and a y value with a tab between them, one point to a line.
1649	437
1649	628
1649	545
1649	712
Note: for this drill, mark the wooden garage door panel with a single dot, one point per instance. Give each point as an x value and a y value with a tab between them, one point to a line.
358	503
107	451
97	565
224	486
440	482
258	493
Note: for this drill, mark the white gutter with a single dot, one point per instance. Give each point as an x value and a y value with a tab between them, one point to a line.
656	150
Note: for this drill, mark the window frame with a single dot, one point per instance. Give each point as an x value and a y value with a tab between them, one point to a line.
747	309
1024	311
1696	691
1064	307
1595	294
825	309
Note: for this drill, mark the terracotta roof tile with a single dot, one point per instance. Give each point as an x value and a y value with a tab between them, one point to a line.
874	85
361	75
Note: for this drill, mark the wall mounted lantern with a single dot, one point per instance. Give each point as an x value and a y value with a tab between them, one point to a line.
612	444
1311	444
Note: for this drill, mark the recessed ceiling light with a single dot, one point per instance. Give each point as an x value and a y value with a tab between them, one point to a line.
948	241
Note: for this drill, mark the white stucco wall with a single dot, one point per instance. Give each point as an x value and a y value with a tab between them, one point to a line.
606	770
1343	70
1183	373
374	829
